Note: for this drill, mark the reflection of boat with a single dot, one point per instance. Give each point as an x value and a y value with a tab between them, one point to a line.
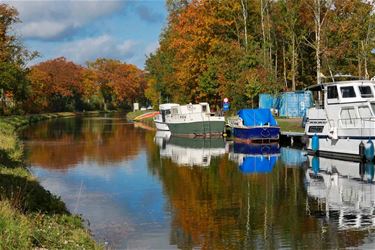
343	119
194	119
191	151
255	125
165	110
161	138
346	188
254	157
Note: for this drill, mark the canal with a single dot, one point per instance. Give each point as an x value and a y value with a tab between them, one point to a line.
138	189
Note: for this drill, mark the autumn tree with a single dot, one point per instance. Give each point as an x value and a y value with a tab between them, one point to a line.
61	81
120	84
13	60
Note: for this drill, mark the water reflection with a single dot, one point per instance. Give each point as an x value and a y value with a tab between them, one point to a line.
189	151
345	188
129	183
254	158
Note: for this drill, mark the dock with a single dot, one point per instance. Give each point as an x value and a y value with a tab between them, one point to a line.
292	137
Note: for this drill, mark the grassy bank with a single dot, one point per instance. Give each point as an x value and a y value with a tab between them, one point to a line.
30	216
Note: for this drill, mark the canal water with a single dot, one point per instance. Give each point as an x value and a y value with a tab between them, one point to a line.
138	189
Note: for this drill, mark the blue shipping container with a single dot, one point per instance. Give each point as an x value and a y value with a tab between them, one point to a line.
266	101
294	104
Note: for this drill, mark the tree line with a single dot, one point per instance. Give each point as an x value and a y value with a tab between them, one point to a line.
59	84
238	49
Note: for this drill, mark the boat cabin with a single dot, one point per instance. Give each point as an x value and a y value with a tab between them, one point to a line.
202	107
342	105
165	109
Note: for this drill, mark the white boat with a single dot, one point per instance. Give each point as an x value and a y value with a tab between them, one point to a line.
343	117
194	120
165	110
346	188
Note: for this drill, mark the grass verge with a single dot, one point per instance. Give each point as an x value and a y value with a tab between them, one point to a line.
30	216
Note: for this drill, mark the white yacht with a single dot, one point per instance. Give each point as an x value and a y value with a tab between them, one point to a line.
165	110
342	118
194	120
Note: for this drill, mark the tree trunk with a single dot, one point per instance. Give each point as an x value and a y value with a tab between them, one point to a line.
263	31
317	39
244	14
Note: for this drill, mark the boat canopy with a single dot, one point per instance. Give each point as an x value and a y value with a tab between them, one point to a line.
258	164
257	117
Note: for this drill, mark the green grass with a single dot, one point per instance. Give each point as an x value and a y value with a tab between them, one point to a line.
30	216
290	125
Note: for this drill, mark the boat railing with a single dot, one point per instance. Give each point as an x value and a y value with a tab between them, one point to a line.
357	123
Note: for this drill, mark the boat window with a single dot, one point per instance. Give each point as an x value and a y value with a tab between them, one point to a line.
204	108
174	111
364	112
365	91
373	107
348	117
167	112
332	92
347	92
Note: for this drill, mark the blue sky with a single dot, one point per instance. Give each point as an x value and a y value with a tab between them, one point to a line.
83	30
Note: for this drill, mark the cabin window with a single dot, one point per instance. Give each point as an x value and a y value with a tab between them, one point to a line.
332	92
347	92
365	91
364	112
204	108
316	129
174	111
348	117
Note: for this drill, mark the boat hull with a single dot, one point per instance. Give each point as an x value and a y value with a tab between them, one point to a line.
197	128
345	148
162	126
257	133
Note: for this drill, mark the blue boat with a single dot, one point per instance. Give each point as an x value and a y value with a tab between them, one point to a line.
254	158
255	125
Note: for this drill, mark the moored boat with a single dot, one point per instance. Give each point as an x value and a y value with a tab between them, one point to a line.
165	110
194	120
255	125
342	122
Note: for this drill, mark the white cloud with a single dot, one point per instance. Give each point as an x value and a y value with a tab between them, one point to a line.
151	48
105	46
54	19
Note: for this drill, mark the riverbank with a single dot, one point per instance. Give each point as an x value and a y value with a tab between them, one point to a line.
30	216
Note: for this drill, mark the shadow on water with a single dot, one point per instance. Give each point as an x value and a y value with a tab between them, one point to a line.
28	196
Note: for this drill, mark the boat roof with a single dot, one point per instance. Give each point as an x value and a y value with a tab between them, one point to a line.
165	106
319	87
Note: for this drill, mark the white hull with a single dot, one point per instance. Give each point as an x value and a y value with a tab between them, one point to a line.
161	126
348	147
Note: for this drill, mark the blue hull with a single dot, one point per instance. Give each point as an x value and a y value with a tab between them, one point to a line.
257	133
256	149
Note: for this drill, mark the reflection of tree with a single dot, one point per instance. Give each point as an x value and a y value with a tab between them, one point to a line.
63	143
220	208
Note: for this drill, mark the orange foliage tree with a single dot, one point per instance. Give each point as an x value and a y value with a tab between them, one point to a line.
120	83
60	81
